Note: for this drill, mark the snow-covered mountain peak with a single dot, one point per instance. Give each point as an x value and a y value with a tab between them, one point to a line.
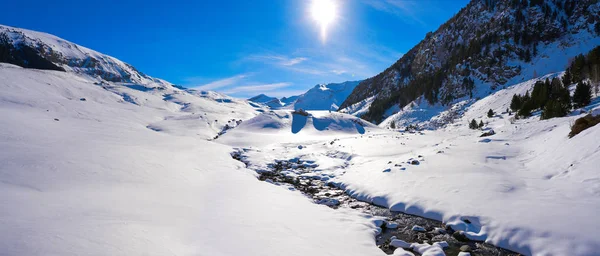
34	49
325	96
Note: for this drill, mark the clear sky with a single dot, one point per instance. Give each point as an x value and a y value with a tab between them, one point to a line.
243	47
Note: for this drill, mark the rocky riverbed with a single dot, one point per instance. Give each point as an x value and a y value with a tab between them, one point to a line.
396	229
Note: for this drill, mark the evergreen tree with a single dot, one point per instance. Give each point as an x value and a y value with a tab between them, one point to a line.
480	124
566	79
583	95
553	109
515	103
527	57
490	113
393	125
473	124
526	109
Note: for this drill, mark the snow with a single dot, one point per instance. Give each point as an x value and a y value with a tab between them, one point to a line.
436	249
270	102
325	96
418	228
145	168
400	244
71	53
360	108
402	252
529	189
99	182
321	97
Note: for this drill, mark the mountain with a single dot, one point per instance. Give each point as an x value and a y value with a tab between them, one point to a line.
208	113
31	49
265	100
289	100
325	96
320	97
487	45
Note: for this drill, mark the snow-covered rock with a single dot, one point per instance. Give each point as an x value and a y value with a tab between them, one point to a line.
392	225
400	244
418	228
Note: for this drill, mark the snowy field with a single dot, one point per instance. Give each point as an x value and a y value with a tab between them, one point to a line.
118	169
529	188
99	182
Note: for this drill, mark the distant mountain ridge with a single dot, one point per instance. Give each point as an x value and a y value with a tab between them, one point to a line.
320	97
325	96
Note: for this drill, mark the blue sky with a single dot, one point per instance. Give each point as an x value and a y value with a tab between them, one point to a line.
242	48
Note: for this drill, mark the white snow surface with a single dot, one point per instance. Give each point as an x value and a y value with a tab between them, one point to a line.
528	188
92	168
325	96
99	182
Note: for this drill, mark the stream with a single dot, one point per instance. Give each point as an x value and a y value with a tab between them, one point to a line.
402	226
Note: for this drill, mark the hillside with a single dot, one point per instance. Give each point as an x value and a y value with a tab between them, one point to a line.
487	45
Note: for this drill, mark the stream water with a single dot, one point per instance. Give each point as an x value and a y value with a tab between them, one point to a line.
406	227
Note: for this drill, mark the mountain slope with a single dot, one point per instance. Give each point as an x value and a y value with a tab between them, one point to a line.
325	96
320	97
32	49
488	44
270	102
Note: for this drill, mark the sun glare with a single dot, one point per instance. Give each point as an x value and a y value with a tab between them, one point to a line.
324	12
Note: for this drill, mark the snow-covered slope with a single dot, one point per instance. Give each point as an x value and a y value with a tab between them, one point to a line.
487	45
202	113
69	56
262	98
270	102
292	126
325	96
528	188
81	174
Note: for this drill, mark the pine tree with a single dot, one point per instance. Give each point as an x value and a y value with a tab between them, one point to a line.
553	109
515	103
473	124
393	125
480	124
583	95
526	109
566	79
490	113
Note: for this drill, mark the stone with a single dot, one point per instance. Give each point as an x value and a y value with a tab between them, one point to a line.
440	231
329	202
391	225
465	248
418	228
460	236
400	244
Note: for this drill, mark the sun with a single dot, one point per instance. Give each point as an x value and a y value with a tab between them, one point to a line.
324	12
